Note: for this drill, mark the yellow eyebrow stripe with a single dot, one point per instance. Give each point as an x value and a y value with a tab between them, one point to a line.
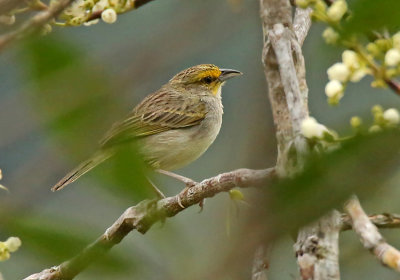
214	73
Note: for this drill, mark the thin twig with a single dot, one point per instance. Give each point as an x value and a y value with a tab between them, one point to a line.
370	236
393	85
142	216
33	24
385	220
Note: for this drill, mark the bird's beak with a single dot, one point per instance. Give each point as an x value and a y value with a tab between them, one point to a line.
228	73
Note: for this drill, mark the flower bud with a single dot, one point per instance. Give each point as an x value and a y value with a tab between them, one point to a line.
339	71
330	35
374	129
337	10
109	16
310	128
391	116
334	89
392	57
355	122
12	244
236	195
350	59
4	253
396	40
373	49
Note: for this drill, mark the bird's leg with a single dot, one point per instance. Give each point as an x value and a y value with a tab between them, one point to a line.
159	193
187	181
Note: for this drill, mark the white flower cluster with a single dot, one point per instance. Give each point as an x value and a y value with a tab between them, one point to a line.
9	246
332	15
81	11
352	68
389	118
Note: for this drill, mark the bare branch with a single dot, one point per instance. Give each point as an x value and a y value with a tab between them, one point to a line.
385	220
142	216
317	248
370	236
302	23
284	67
285	73
260	264
34	23
394	86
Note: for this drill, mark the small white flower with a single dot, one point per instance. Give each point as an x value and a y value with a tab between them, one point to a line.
330	35
392	116
392	57
109	16
12	244
350	59
339	71
310	128
337	10
396	40
334	89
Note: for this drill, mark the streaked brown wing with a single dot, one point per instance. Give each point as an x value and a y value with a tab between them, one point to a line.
158	112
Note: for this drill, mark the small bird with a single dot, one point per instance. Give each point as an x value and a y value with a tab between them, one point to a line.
173	126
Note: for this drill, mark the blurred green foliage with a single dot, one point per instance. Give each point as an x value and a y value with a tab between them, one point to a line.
361	166
75	100
54	240
369	15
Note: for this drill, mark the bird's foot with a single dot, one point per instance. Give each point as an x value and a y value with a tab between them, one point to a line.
187	181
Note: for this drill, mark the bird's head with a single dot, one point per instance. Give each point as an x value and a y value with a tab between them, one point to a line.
204	78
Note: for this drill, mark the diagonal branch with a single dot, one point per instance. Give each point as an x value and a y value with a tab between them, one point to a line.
142	216
34	23
370	236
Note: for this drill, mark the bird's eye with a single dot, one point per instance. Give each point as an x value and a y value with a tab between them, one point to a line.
207	80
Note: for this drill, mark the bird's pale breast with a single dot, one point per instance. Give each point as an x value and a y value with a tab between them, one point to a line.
176	148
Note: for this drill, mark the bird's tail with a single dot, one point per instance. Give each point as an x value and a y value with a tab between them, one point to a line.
82	168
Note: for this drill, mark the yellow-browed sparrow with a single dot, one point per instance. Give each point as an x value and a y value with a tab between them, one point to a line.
173	126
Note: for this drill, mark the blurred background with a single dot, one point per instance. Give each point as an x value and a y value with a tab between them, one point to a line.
60	93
